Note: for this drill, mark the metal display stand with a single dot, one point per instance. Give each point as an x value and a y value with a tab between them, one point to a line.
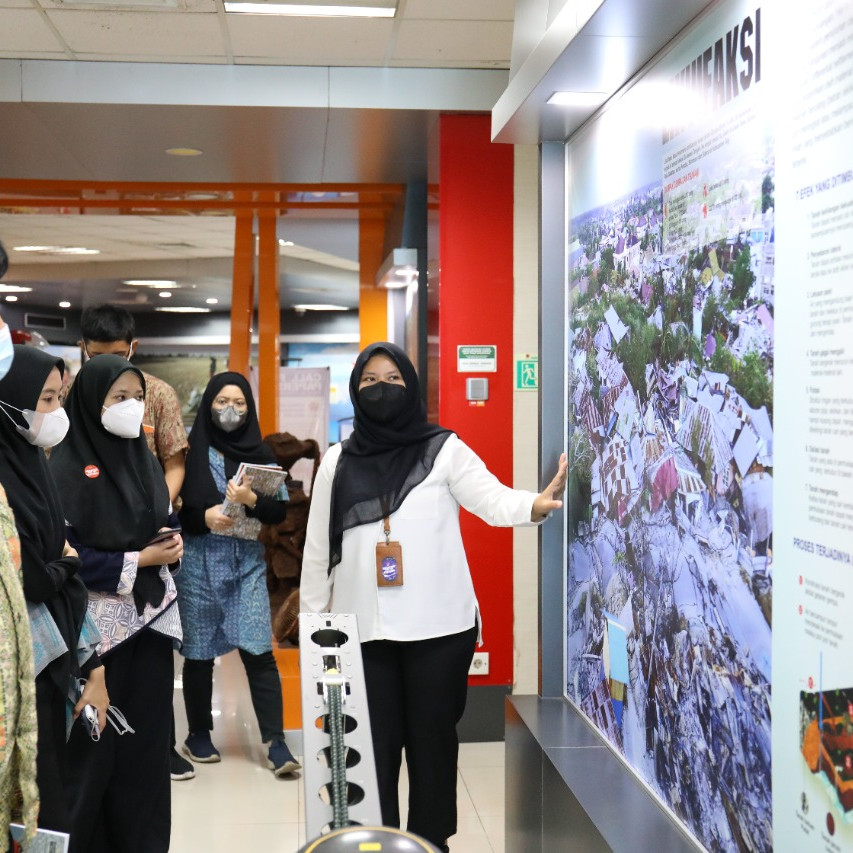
332	677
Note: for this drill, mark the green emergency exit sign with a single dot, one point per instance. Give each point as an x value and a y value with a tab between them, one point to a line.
527	373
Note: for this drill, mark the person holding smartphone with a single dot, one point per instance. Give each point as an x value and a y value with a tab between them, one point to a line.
120	520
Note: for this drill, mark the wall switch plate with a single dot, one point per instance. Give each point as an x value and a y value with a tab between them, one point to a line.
480	664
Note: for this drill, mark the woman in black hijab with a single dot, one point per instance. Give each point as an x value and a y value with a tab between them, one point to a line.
63	638
384	542
224	599
116	505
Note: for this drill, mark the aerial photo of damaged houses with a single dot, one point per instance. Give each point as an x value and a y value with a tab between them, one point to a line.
670	501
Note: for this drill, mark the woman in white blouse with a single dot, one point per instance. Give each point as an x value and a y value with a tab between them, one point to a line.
384	542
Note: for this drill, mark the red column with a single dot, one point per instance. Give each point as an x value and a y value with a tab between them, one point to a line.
476	307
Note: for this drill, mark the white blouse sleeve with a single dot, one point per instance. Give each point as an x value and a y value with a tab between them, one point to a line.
315	586
481	493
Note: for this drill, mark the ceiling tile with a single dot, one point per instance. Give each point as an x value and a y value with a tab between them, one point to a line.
471	10
309	41
459	41
26	30
115	35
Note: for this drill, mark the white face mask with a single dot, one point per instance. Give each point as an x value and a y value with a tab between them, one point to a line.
7	351
44	429
124	419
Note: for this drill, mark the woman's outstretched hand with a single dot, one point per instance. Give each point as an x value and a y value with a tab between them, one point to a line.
550	498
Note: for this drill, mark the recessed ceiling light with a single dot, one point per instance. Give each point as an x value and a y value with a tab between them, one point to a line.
285	242
11	298
212	301
64	304
578	99
184	152
182	309
14	288
57	250
316	307
317	8
150	282
165	294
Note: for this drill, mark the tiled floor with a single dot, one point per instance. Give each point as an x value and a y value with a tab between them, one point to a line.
239	805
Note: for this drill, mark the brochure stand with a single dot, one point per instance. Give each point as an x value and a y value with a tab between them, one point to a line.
332	679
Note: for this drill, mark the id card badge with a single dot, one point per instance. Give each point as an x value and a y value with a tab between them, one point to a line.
389	564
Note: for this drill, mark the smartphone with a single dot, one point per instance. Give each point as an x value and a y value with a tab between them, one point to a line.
164	534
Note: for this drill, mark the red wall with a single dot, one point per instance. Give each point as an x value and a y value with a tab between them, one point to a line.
475	307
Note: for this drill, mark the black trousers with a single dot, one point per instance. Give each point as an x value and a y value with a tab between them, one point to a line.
121	788
416	694
264	687
51	758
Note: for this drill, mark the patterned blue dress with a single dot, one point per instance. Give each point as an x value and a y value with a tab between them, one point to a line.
222	589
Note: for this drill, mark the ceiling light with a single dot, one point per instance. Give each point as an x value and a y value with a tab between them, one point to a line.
212	301
150	282
184	152
57	250
317	8
182	309
11	298
64	304
320	307
285	242
14	288
578	99
165	294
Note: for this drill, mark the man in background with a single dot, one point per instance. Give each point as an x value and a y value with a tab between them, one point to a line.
111	329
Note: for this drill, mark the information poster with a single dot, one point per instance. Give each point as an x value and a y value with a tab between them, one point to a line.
709	589
671	377
813	642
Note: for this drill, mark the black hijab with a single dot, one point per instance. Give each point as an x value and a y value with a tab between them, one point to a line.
113	489
381	463
29	487
244	444
35	502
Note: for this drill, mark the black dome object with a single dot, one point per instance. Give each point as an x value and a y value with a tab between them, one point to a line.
352	839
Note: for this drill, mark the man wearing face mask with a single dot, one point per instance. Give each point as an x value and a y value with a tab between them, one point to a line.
384	542
111	329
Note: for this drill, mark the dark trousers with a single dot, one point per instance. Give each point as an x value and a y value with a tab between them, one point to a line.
121	789
51	763
264	687
416	695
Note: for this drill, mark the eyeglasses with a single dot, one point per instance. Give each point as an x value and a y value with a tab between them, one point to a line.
222	402
126	355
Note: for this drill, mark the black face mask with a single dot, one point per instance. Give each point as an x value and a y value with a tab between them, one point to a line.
382	401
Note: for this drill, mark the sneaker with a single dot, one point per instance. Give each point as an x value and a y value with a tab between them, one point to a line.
199	747
280	759
179	767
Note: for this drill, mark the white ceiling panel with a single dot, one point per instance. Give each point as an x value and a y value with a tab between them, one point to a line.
25	29
307	41
122	143
477	41
33	54
470	10
149	34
